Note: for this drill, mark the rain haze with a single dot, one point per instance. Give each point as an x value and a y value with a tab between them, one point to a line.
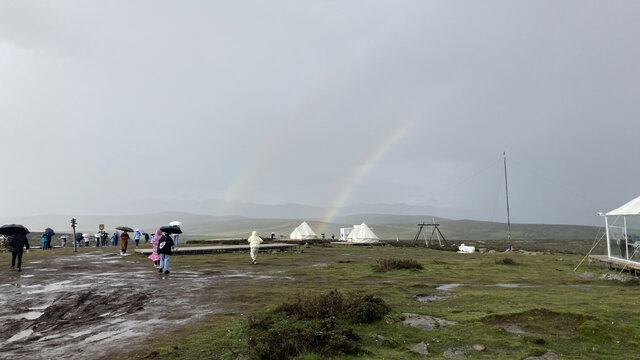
130	107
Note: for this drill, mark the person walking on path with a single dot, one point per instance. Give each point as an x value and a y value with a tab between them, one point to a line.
18	241
78	239
164	249
154	255
254	243
146	238
136	237
124	241
48	242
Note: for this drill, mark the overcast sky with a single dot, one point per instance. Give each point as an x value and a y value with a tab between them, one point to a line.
108	103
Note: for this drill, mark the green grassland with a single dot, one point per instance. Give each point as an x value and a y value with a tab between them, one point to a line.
577	317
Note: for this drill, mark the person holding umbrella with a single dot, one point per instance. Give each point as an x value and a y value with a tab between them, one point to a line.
78	239
49	233
136	237
124	242
165	244
176	237
164	250
18	241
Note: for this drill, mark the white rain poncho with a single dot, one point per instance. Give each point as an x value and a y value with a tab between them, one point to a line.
254	240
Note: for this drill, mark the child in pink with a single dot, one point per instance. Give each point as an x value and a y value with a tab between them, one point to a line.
155	257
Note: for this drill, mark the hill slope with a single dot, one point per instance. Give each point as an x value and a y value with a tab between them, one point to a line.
387	227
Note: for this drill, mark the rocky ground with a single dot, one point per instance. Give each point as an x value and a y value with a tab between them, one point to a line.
92	302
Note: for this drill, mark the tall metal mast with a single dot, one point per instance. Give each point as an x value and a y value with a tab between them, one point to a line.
506	188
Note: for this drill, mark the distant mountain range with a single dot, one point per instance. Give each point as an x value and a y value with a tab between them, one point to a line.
218	207
389	227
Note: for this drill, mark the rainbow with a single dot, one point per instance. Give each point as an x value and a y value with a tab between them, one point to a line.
359	173
246	179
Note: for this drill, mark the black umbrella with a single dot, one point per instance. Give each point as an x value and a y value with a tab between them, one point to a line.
49	231
124	228
171	229
12	229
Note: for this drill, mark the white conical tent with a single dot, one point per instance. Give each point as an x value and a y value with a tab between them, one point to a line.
362	234
303	232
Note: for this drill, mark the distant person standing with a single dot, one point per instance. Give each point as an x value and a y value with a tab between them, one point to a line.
124	241
164	250
48	238
175	241
103	238
254	244
113	239
97	237
136	238
146	238
18	242
43	237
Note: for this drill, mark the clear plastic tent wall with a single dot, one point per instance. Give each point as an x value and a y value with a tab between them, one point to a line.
623	232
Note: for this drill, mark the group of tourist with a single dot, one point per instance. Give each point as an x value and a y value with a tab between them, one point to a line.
162	243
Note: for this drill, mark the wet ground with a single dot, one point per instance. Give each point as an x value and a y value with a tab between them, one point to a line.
94	302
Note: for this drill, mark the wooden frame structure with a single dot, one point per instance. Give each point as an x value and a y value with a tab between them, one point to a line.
435	231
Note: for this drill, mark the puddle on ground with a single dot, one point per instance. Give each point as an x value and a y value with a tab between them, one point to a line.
447	287
430	298
425	322
21	335
513	329
507	285
31	315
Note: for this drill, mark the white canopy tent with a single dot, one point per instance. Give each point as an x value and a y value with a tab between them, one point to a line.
623	232
362	234
303	232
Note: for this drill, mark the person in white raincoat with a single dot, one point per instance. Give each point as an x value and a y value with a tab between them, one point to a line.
254	243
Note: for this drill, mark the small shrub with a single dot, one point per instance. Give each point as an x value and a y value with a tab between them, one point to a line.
260	322
396	264
325	337
506	261
356	308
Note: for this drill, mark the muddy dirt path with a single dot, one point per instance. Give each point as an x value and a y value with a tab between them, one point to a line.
90	303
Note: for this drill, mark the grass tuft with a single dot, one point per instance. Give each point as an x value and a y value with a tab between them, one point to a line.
396	264
355	308
326	337
506	261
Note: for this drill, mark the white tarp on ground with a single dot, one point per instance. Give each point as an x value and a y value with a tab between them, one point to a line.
630	208
362	234
464	249
303	232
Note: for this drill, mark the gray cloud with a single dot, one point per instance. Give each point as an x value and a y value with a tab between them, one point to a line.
107	103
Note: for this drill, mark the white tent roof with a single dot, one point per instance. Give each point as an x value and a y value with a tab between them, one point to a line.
362	234
630	208
303	232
